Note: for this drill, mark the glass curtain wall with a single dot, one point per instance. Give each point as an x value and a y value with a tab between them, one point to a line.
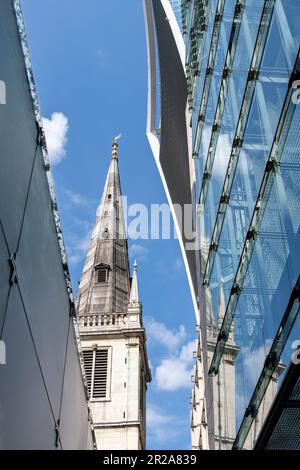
243	79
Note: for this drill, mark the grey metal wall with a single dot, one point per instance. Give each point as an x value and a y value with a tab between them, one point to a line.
173	144
41	386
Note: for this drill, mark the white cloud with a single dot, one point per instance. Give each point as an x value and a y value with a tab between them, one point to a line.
138	251
254	361
222	151
100	56
159	333
76	199
56	129
186	353
178	264
162	427
175	371
75	259
222	154
205	141
156	417
78	247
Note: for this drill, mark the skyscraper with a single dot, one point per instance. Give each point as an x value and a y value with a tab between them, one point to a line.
111	327
223	125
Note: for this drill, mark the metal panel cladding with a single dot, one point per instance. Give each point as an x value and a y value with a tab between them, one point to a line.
42	394
174	157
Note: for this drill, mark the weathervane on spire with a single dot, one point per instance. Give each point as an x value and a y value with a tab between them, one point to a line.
115	146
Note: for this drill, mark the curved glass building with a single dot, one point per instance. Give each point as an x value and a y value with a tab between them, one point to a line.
223	125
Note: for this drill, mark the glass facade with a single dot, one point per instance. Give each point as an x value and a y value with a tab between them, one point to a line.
243	70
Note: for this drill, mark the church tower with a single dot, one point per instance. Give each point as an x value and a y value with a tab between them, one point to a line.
224	382
111	328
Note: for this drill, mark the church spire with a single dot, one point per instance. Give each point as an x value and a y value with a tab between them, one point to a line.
134	292
105	284
111	328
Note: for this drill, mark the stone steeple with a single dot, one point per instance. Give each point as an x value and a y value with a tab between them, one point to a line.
112	334
107	256
134	291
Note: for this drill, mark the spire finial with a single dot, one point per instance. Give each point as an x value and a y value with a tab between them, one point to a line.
135	266
115	146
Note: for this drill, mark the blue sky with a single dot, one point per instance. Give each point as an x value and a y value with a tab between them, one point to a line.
90	65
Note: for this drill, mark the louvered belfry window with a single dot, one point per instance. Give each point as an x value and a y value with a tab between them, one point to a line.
88	367
102	275
96	371
100	373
